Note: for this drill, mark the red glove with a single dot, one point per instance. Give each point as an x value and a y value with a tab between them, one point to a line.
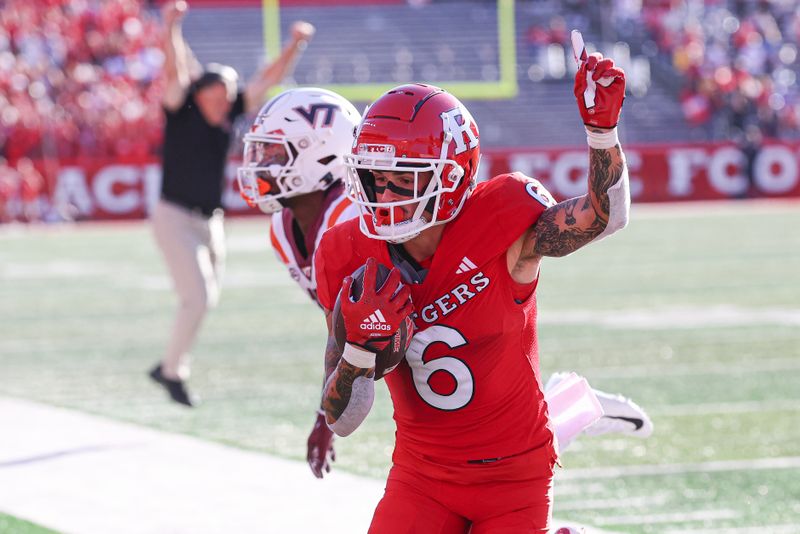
371	320
320	448
599	87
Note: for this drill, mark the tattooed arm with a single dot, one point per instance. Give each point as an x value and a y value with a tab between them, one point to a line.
349	391
571	224
564	228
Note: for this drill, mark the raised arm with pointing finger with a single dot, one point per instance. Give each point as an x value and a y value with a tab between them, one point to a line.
569	225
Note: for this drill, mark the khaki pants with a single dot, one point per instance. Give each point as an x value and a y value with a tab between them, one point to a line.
193	247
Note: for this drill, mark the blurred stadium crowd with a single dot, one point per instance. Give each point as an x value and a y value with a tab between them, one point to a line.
733	63
80	78
736	62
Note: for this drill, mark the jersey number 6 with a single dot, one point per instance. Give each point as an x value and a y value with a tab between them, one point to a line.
457	369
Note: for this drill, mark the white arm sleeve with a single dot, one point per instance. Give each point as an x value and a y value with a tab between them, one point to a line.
619	204
619	194
361	398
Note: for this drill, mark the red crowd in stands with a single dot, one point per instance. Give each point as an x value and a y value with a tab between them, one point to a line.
20	191
737	58
78	78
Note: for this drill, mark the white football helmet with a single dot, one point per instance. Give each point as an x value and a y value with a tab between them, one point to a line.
295	146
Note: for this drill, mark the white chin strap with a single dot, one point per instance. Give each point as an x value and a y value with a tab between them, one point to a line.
394	233
270	205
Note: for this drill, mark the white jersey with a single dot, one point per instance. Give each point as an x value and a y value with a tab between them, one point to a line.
336	208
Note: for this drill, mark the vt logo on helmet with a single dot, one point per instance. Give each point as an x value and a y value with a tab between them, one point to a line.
425	137
327	112
296	146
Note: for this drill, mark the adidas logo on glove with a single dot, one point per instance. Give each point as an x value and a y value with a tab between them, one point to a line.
375	321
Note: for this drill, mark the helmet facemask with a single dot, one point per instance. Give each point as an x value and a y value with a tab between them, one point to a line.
270	171
389	220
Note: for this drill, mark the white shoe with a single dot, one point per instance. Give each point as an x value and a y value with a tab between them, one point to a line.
621	415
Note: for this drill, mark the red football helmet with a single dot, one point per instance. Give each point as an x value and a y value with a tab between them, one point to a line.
414	128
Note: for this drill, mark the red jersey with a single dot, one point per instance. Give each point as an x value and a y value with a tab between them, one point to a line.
468	388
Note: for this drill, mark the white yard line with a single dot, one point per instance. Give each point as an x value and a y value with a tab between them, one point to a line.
605	504
84	474
711	408
693	369
789	462
695	208
672	317
653	210
650	519
771	529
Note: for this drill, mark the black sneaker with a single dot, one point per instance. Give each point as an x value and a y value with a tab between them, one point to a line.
176	388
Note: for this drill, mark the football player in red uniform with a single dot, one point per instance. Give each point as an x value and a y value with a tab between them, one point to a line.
474	447
300	137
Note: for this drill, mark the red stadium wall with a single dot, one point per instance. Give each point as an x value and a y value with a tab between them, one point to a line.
663	173
110	189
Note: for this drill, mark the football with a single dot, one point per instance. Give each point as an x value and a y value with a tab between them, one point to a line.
390	357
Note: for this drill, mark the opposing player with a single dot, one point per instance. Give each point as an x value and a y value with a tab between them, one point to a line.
293	170
474	446
294	159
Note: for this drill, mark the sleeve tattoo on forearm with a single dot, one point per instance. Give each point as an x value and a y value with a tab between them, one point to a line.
605	169
332	356
573	223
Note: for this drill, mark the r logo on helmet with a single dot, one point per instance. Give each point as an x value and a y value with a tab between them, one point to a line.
458	122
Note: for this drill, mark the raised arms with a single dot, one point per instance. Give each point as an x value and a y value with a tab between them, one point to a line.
569	225
255	94
180	65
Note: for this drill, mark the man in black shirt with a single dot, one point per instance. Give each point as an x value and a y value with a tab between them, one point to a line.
200	107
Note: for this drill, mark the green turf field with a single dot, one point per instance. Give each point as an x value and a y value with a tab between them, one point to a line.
694	312
12	525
